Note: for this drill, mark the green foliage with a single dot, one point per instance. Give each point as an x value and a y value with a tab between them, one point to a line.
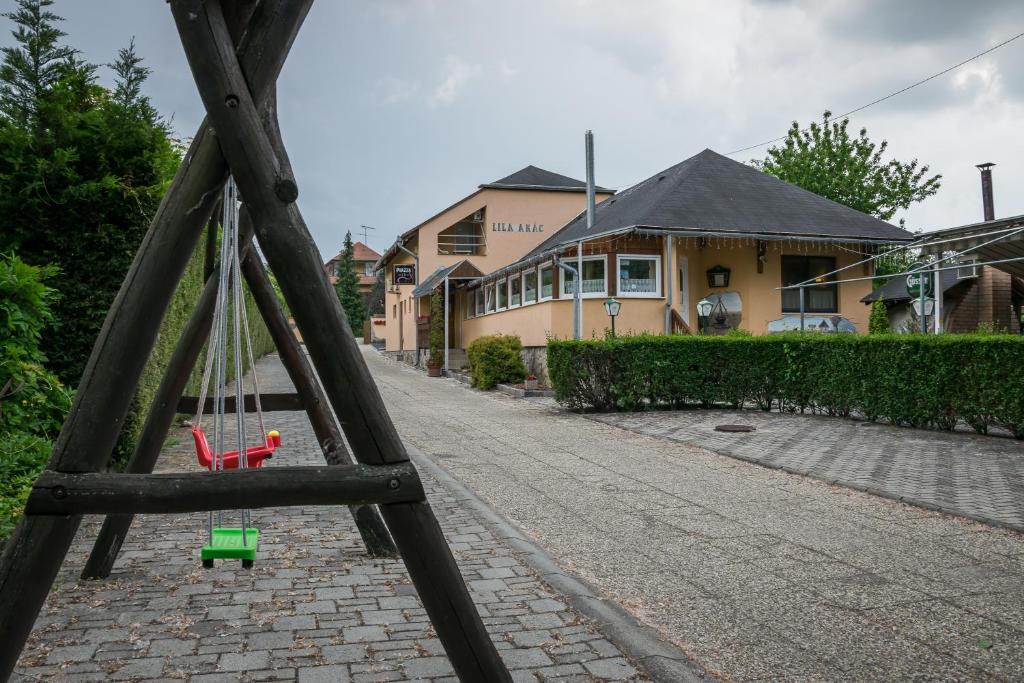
878	320
33	402
496	359
82	171
347	287
828	161
22	458
435	338
912	380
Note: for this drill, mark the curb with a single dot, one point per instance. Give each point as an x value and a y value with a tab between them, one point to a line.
655	656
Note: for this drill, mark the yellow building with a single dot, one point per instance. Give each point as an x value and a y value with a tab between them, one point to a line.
709	231
487	230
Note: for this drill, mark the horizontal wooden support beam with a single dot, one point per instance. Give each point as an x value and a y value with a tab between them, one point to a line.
269	402
57	493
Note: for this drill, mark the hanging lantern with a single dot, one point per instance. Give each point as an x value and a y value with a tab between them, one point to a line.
718	276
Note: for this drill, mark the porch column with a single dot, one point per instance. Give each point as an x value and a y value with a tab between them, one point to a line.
670	246
937	289
446	324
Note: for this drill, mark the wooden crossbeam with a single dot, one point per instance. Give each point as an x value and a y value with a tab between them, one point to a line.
87	493
269	402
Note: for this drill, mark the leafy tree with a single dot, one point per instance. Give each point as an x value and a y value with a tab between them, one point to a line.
82	170
828	161
878	320
347	287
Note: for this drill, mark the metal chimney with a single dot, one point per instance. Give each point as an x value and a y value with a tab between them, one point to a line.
986	190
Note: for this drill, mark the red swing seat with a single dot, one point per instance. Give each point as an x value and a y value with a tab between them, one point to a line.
256	454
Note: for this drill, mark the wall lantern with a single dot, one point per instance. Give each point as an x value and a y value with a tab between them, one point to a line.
718	276
611	307
704	308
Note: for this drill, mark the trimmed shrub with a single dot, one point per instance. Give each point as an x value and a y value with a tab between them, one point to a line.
878	320
911	380
496	359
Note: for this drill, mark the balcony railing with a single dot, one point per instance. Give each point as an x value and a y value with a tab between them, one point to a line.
461	244
638	286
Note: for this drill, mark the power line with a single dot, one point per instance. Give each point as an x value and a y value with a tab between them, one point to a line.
892	94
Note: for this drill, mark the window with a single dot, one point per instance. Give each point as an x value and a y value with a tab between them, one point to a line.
515	290
819	299
465	237
529	286
594	283
478	298
489	298
547	280
368	268
640	276
501	288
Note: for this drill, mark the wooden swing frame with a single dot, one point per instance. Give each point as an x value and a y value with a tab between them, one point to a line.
235	52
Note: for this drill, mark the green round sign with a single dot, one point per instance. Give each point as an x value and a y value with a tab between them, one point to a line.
914	282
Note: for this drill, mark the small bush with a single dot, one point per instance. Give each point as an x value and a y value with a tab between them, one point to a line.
496	359
878	320
912	380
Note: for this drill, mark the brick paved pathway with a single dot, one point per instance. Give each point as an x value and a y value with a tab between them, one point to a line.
757	573
314	609
979	477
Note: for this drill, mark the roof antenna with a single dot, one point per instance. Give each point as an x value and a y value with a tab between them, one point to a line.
366	229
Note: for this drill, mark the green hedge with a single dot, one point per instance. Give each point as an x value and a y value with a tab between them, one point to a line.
912	380
495	359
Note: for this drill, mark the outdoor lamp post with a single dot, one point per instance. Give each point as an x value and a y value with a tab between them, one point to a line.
611	307
704	308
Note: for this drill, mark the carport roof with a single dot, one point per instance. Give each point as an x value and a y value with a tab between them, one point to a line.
1005	243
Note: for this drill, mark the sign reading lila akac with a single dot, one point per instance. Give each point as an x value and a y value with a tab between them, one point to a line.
404	274
517	227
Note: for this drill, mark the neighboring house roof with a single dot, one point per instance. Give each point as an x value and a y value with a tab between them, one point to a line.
361	252
710	192
463	270
533	178
895	290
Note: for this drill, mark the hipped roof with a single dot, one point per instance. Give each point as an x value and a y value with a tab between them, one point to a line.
710	192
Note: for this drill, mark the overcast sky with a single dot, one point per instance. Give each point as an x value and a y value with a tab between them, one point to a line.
394	109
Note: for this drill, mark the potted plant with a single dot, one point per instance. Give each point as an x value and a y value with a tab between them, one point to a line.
531	382
436	358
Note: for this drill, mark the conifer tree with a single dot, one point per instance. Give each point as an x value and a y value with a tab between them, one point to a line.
347	287
32	67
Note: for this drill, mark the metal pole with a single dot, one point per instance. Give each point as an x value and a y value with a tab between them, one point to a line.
577	296
920	297
802	308
669	273
937	295
613	325
446	324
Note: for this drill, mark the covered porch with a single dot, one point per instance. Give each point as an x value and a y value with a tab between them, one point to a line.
443	281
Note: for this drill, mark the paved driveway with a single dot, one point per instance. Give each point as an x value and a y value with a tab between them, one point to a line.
757	573
979	477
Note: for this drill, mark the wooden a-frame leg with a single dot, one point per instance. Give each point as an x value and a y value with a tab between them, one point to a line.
34	552
294	258
368	520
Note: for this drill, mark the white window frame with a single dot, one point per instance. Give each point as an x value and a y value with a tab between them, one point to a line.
500	283
584	295
540	282
536	285
489	301
638	257
508	291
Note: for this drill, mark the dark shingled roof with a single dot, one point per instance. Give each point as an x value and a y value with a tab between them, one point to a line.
533	178
710	192
895	289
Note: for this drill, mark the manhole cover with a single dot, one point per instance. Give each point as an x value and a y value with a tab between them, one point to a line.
734	428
